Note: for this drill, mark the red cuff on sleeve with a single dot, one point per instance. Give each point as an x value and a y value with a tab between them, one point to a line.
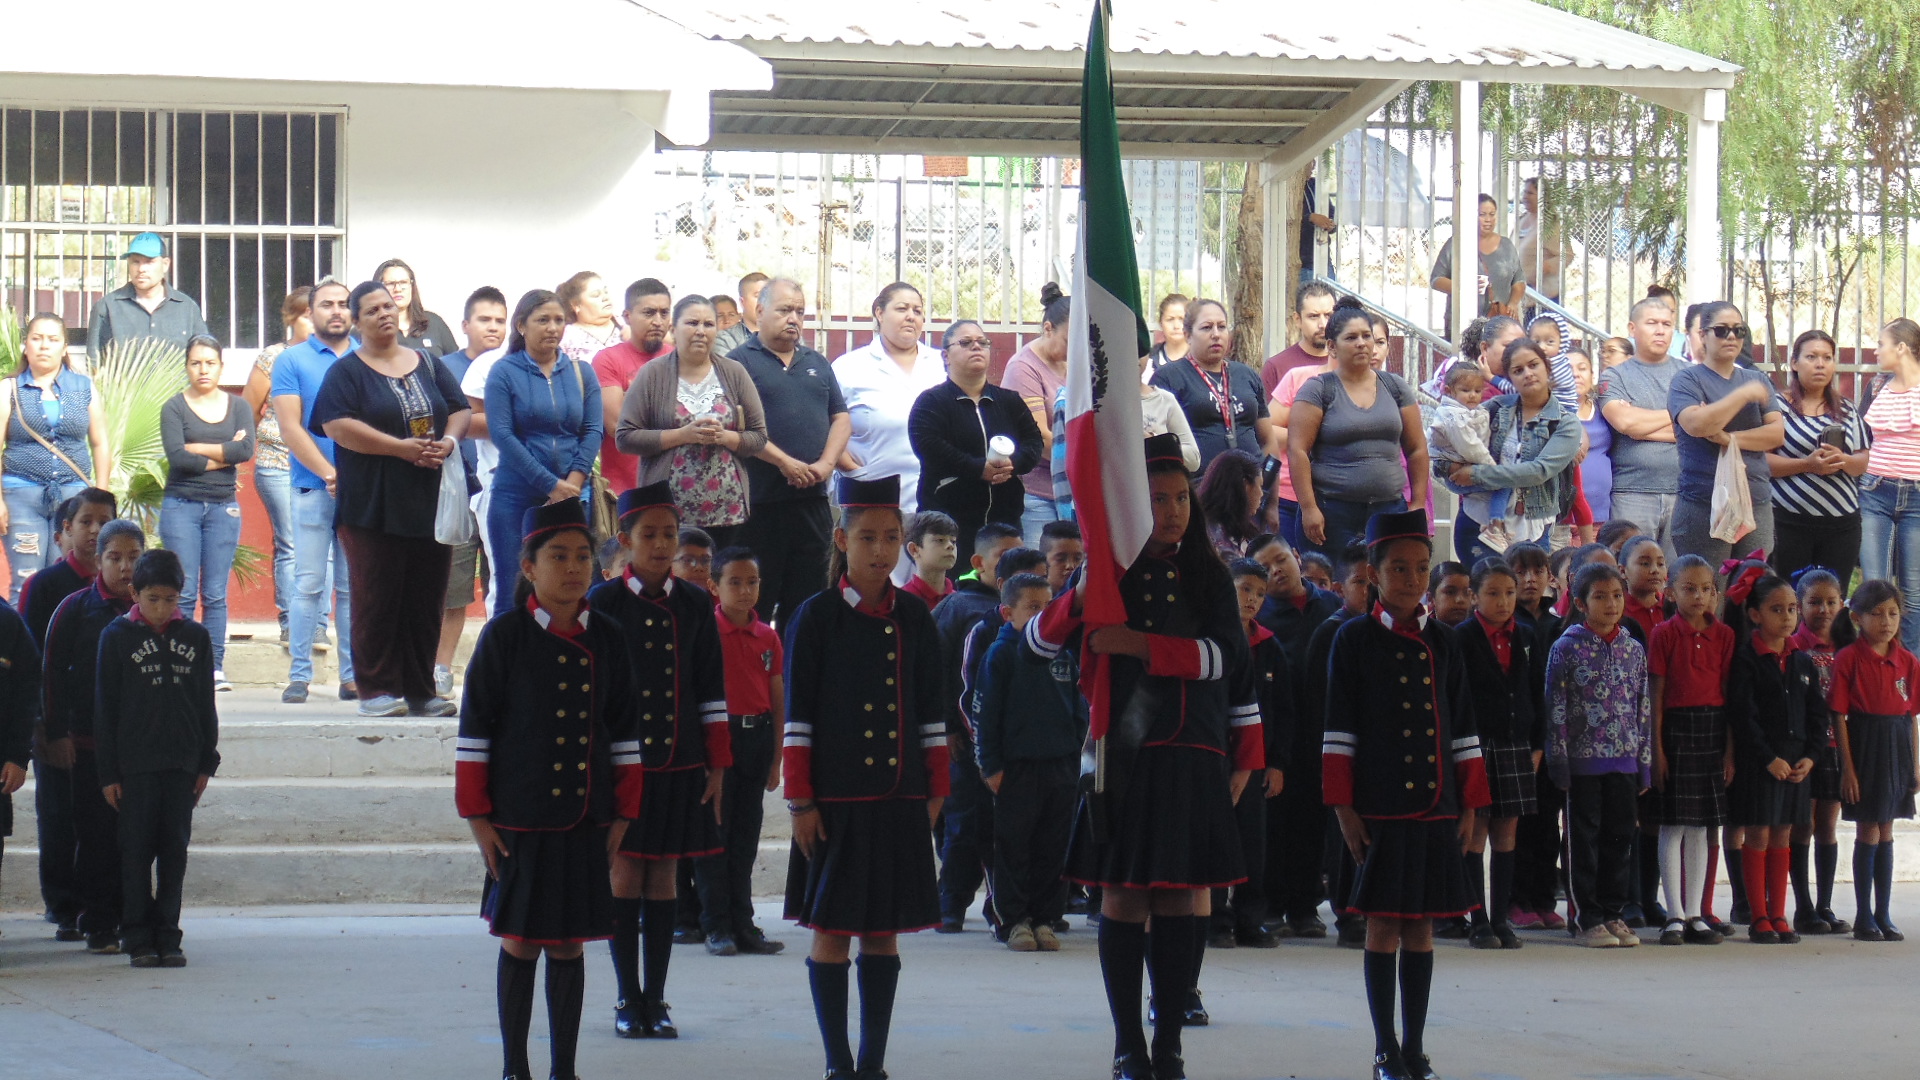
1471	775
628	781
796	771
719	743
1057	621
1174	657
1249	749
1336	779
939	779
470	795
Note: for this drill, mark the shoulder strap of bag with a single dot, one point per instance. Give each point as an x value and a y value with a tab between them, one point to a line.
41	439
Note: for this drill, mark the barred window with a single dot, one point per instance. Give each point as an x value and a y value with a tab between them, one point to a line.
249	202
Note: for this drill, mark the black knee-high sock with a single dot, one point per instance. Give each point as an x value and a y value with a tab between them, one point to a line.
1797	871
1650	873
879	978
1476	867
1416	985
1381	980
1826	865
625	948
1883	884
656	945
1863	859
514	983
1737	883
1502	900
1170	966
829	983
1123	955
1200	930
566	988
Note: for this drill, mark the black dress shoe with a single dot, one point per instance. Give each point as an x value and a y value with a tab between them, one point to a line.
1309	927
1257	938
626	1021
1132	1067
1483	937
1419	1067
68	932
1389	1067
1867	931
1762	933
1169	1067
659	1024
1195	1014
1835	924
1503	933
1810	922
754	942
1889	931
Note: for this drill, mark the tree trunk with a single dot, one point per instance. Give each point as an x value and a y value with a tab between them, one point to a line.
1246	293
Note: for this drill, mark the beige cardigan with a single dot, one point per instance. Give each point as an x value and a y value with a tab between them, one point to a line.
648	413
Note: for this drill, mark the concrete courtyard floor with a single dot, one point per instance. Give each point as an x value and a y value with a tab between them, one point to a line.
298	993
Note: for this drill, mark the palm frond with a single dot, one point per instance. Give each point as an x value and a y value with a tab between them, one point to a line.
132	379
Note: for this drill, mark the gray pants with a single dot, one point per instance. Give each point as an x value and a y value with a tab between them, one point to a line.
1651	510
1693	520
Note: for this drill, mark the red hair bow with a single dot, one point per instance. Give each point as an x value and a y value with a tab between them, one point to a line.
1742	586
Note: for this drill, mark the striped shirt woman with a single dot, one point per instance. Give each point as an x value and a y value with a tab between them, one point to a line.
1889	508
1816	473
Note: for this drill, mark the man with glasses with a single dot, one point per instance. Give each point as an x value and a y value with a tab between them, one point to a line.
1716	402
789	524
1633	398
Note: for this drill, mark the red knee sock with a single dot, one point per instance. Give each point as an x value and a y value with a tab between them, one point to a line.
1713	871
1753	864
1779	861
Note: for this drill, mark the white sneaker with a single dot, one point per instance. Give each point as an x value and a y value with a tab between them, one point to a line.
1598	937
442	681
383	705
1045	938
220	682
1620	930
1021	939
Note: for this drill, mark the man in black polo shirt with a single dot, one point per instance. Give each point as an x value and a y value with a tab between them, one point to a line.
145	307
789	524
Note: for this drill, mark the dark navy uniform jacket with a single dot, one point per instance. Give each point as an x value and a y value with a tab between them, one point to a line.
866	708
1273	688
19	698
1775	708
679	673
547	725
71	657
1509	707
1400	735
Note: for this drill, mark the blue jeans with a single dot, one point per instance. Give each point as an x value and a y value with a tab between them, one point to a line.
276	494
506	502
1890	533
33	513
1347	520
1038	513
204	535
1290	522
319	567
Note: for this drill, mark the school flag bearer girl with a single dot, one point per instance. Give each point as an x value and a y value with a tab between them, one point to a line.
547	774
866	770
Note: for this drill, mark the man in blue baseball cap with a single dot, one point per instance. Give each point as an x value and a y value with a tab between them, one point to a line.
145	307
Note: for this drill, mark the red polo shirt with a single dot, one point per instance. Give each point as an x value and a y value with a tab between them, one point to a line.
1501	638
1647	615
1694	662
918	587
1866	682
753	656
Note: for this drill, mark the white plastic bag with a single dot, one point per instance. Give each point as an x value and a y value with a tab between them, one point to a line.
1732	501
453	523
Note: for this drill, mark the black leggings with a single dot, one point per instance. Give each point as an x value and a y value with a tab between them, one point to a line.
1802	540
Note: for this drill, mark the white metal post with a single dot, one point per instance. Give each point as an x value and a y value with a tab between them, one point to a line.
1276	284
1465	301
1704	279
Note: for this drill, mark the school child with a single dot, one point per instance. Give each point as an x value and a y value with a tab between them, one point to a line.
1823	631
1687	663
1243	921
755	663
1644	562
1404	775
68	667
1317	569
19	710
1741	576
1031	722
865	764
693	557
976	593
1060	543
1532	569
932	544
547	772
1537	840
1599	752
692	562
673	652
156	735
1450	593
1180	666
79	522
1776	707
1876	692
1615	532
613	559
1507	682
1331	862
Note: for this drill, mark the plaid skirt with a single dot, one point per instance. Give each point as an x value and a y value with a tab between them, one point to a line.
1825	779
1511	778
1695	792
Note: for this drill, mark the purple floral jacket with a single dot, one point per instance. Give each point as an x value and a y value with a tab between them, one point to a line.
1599	714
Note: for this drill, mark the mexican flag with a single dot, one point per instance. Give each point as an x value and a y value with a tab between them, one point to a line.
1106	456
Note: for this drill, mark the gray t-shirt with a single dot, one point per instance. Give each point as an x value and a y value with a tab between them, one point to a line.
1502	268
1356	456
1646	467
1699	384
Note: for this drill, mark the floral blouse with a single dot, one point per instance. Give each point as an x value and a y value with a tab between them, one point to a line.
709	486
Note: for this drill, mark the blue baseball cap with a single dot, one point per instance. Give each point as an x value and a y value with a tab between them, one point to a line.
147	245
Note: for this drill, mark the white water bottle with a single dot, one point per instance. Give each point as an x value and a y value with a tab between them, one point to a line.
999	450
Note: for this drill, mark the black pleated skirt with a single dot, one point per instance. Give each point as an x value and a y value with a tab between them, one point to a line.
873	874
1172	828
1756	798
553	887
1413	870
1883	761
1695	792
674	823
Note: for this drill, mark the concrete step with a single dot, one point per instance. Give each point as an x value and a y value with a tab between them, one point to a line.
361	810
256	656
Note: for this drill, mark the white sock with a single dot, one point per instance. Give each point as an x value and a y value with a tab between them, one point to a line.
1671	882
1694	857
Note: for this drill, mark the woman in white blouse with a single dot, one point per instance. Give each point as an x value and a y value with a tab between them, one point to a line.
881	380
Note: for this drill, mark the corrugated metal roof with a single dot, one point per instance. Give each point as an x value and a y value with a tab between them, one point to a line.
1510	36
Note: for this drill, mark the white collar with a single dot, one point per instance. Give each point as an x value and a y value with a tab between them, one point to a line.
1419	619
545	618
634	583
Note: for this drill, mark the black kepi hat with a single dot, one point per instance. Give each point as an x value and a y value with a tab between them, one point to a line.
541	520
1164	447
1407	524
645	497
882	491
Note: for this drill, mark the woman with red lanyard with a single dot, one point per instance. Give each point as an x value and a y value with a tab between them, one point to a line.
1223	399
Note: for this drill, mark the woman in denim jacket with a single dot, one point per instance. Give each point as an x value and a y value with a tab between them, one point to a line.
1535	442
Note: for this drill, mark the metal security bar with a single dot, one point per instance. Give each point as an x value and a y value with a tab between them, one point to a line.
251	204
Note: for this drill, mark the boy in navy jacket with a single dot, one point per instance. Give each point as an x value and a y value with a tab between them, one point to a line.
157	733
1031	722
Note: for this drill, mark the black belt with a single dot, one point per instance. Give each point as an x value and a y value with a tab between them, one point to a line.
748	723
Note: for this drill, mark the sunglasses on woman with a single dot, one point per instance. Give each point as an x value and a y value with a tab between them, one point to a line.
1725	332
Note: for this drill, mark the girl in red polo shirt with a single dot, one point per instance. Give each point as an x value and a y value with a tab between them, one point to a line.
1823	632
1687	662
1644	562
1876	692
